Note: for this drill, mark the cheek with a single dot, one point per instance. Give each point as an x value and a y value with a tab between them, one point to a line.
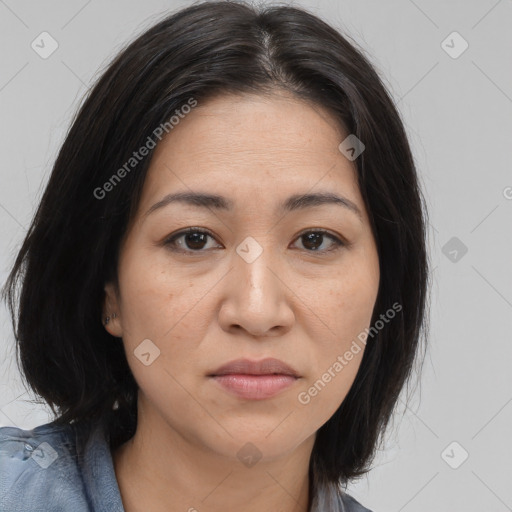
169	309
345	312
156	299
321	396
336	358
348	305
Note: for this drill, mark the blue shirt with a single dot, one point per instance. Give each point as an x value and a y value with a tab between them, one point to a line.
57	468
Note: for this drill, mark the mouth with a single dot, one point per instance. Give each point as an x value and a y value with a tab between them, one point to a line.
269	366
255	380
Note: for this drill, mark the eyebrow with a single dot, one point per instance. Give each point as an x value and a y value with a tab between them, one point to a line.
293	203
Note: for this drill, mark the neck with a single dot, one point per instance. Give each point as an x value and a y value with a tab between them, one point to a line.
159	470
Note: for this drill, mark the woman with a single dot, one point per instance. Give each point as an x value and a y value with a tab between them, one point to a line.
224	286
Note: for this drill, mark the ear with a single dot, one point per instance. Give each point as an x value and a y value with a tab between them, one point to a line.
111	317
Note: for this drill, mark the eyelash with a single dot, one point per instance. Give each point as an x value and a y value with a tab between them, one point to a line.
170	241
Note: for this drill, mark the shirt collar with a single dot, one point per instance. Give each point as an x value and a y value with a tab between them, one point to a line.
98	473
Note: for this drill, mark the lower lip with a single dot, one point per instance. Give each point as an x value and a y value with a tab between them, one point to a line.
254	387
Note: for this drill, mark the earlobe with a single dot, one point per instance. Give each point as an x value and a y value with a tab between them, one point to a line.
107	319
111	318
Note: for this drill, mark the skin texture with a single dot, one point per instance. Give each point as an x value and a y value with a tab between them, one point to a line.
203	309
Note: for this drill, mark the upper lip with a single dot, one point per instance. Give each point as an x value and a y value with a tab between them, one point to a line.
266	366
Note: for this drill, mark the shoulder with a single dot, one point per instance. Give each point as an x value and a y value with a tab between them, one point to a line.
39	468
330	496
351	505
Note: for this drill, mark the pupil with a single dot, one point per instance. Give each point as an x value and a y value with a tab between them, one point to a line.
315	238
195	238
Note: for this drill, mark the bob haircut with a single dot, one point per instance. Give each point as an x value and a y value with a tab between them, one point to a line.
71	248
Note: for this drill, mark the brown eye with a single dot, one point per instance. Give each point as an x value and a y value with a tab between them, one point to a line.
313	241
190	240
196	240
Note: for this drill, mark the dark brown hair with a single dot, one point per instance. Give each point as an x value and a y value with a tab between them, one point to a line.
71	248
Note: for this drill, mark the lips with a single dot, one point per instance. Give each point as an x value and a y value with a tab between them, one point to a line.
255	380
269	366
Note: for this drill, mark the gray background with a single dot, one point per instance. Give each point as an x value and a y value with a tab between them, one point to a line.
458	115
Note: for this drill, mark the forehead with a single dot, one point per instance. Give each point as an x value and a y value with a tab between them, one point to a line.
275	144
269	126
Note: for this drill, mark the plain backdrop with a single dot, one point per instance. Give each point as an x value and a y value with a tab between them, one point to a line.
448	66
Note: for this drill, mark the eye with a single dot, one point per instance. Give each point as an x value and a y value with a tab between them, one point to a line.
189	240
313	240
195	240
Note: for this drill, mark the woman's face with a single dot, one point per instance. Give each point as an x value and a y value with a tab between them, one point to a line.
257	278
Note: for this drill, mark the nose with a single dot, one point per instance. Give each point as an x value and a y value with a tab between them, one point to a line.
257	297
